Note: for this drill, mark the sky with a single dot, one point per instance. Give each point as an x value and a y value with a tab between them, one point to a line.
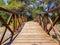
6	2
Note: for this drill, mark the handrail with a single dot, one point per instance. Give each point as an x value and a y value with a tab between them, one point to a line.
43	20
53	10
9	11
16	23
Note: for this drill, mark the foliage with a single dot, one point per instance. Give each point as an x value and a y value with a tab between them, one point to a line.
15	4
11	4
4	15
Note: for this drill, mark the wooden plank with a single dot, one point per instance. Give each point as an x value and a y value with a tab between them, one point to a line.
35	44
33	34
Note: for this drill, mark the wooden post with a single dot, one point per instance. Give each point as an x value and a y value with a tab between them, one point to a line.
40	19
56	19
45	22
14	22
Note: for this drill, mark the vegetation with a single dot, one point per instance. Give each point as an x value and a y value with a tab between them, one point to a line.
11	4
29	7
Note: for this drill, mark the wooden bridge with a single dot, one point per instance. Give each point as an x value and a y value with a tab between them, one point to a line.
33	32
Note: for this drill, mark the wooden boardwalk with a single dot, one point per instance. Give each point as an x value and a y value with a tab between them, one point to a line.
33	34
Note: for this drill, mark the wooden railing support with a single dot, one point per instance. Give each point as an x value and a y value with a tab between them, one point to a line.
56	19
6	25
8	22
16	23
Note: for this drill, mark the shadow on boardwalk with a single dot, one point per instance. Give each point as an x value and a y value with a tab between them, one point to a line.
12	38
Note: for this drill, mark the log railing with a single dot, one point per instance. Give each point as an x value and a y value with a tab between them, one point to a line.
45	20
14	18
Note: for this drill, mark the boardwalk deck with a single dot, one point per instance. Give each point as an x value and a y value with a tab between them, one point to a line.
33	34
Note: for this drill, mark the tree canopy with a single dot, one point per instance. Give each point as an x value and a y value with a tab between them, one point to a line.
29	7
11	4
